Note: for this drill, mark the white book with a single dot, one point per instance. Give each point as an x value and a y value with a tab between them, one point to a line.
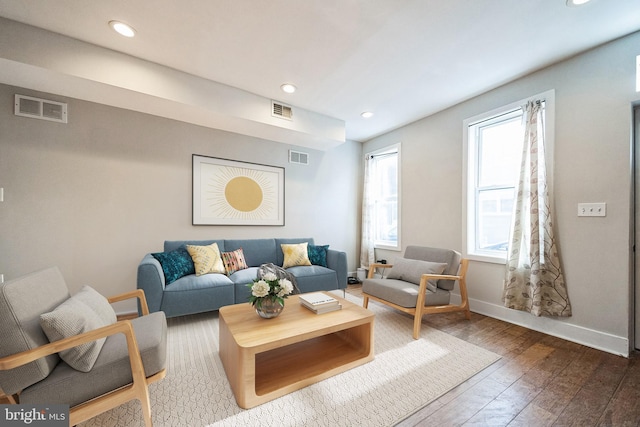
317	299
323	309
327	309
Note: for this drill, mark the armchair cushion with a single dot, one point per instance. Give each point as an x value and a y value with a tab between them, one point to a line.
111	370
22	301
83	312
403	293
411	270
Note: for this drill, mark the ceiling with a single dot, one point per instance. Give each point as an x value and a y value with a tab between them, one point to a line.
401	59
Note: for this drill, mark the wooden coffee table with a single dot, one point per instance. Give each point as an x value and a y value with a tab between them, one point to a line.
268	358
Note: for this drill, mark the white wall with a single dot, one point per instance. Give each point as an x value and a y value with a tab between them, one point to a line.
594	95
94	195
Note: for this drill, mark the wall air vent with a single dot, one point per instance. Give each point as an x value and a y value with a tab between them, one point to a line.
298	157
282	111
37	108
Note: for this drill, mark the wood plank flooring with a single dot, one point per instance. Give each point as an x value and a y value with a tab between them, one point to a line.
540	380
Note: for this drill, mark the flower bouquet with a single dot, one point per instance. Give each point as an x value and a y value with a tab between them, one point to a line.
268	294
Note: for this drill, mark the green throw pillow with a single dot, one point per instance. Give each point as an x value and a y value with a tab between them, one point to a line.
175	264
318	254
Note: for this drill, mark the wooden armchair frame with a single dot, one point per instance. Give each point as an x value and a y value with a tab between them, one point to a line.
421	309
138	389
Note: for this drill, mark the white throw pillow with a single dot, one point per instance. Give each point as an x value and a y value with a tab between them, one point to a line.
411	270
83	312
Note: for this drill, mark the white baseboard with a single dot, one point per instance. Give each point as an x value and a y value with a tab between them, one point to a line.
557	327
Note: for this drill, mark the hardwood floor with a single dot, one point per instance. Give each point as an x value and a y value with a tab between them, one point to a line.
540	380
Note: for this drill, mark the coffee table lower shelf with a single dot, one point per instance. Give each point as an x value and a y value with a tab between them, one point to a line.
305	362
268	358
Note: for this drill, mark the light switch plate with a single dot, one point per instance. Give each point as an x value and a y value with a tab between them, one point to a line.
592	209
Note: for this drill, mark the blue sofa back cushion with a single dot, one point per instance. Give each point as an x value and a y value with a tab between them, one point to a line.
256	251
172	245
175	264
318	254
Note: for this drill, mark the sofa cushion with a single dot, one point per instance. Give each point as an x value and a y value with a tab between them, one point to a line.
234	261
175	264
295	254
83	312
206	259
172	245
245	276
318	254
256	251
411	270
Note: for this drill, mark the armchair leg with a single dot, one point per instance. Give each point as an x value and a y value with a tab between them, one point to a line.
146	410
417	321
365	301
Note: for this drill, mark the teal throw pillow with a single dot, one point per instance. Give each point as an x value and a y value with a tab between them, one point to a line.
318	254
175	264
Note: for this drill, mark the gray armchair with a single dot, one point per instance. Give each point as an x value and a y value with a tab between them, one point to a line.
92	371
420	283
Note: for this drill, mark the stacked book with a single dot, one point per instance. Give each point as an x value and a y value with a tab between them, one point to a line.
319	302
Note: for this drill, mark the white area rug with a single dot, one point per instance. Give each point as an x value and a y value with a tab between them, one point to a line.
405	375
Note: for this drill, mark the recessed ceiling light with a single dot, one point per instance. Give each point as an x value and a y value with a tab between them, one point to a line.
122	28
367	114
572	3
288	88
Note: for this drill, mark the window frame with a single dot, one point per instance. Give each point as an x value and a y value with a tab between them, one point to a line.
378	244
471	166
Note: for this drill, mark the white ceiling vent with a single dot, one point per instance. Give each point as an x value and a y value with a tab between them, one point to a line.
298	157
282	111
37	108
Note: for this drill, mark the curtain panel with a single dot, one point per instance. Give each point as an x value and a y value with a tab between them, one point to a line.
367	253
534	280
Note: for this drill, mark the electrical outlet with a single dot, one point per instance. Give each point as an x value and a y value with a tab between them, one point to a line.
592	209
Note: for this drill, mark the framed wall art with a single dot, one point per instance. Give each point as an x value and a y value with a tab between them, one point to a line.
229	192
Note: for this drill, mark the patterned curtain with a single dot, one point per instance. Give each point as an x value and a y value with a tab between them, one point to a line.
367	254
534	280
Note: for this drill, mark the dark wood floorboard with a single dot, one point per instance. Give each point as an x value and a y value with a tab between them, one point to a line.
540	381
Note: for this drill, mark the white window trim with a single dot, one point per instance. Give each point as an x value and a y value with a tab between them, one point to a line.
469	164
387	149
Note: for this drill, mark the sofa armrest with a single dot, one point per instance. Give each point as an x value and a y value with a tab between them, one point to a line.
337	261
151	281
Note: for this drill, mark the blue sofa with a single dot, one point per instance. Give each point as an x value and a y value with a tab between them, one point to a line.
195	294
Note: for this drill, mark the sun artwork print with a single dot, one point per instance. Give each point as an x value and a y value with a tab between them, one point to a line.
237	193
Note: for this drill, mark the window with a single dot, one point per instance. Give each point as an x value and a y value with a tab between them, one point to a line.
385	184
493	153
